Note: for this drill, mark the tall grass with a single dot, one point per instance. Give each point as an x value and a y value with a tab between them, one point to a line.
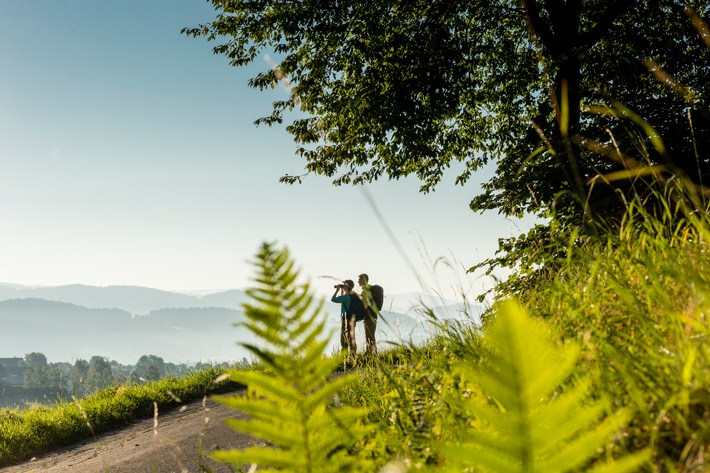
638	301
635	300
609	372
504	402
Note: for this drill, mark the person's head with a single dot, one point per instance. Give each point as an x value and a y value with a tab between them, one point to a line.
349	284
363	279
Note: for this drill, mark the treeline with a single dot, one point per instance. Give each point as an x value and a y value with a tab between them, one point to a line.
49	382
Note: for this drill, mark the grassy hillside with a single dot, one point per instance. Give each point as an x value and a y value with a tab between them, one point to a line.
601	363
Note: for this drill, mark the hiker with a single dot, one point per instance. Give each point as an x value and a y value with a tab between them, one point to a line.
347	318
372	298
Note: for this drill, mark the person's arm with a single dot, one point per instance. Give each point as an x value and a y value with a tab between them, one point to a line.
335	296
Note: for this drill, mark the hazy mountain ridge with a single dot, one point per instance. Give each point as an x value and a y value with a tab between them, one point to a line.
140	300
231	298
188	328
65	332
134	299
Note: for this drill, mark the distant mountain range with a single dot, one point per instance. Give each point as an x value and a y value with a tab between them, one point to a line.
134	299
123	323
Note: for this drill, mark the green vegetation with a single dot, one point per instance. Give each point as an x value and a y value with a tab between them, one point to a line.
637	301
521	417
595	354
288	403
46	382
611	374
537	88
24	434
603	364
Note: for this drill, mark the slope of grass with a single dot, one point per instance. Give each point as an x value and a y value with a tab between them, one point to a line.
634	303
638	303
26	433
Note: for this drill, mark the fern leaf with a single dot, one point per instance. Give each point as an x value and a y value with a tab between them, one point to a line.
488	458
288	402
533	429
575	454
328	391
566	407
264	385
260	408
629	463
281	460
280	434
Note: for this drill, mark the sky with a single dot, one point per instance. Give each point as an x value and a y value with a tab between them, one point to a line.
129	156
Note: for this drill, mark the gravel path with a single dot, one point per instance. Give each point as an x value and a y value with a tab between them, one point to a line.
141	447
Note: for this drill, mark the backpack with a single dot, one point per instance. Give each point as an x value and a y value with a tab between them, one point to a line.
378	295
357	308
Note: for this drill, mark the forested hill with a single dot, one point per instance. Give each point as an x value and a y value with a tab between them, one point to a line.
123	323
66	332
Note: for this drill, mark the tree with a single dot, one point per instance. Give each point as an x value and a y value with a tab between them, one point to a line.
150	367
556	93
99	375
40	375
34	359
79	375
57	377
36	372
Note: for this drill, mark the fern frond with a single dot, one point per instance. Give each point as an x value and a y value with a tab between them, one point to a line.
282	433
327	391
482	451
574	454
288	401
260	408
536	424
630	463
281	460
316	354
268	334
264	385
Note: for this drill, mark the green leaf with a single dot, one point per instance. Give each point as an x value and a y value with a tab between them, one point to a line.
287	403
537	423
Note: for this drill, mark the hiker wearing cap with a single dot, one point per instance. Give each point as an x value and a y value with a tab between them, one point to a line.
347	319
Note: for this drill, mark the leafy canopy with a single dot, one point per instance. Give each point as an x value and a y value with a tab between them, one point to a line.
552	92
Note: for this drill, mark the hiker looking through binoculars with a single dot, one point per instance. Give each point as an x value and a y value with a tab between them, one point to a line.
347	317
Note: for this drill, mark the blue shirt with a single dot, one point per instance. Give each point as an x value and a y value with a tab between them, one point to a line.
344	302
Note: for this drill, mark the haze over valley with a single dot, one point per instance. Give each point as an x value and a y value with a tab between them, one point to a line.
122	323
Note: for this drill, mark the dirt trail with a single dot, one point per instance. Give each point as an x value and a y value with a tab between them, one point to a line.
172	446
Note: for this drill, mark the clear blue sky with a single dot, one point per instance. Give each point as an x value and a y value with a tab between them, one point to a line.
129	156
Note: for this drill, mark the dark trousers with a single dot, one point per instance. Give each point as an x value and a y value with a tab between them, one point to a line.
347	334
370	328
